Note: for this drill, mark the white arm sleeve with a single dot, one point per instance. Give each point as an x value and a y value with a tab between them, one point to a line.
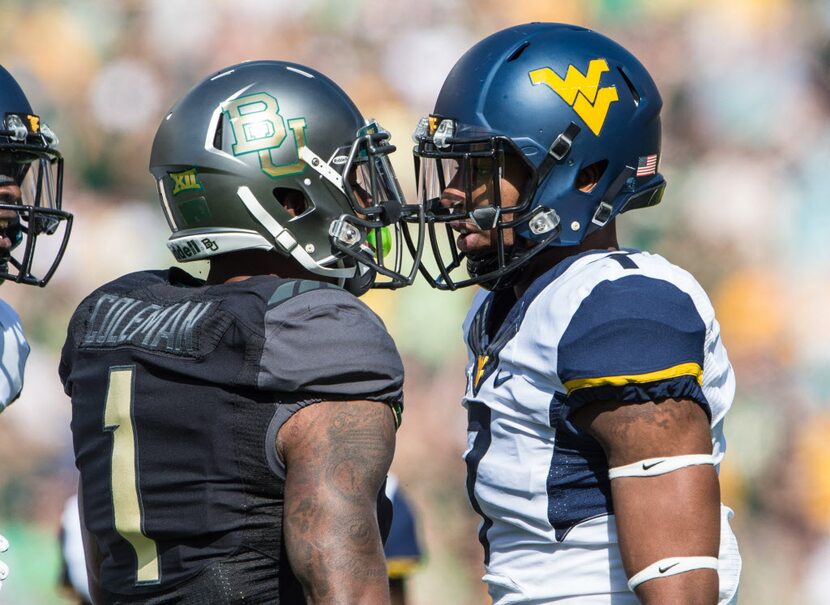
13	353
4	568
72	548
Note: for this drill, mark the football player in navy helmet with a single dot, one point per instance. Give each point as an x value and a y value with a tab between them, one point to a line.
233	435
597	378
31	177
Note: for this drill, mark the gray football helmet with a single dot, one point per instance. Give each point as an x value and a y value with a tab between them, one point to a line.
275	156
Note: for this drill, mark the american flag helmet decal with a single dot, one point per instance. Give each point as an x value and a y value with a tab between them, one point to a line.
647	165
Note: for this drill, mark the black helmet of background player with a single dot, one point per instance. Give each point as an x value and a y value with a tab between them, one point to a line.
31	179
275	156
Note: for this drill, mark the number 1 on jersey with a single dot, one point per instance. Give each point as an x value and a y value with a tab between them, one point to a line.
118	418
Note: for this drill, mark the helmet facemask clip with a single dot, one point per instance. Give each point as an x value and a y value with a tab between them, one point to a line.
381	217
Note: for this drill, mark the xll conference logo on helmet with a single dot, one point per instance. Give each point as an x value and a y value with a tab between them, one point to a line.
185	181
581	91
258	127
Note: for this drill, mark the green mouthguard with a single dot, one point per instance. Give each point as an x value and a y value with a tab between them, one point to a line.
385	240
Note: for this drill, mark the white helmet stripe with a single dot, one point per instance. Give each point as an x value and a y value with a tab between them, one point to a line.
284	238
214	122
321	166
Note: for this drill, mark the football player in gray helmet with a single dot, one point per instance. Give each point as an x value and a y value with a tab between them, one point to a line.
233	435
275	157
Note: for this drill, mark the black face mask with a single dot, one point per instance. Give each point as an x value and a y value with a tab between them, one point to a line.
14	232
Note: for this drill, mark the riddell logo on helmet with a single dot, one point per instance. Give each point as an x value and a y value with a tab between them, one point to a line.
184	250
581	91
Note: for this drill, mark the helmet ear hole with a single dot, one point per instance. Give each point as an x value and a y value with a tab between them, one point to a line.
590	175
217	136
293	200
518	52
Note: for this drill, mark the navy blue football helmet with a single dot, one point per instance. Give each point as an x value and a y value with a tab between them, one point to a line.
31	183
552	100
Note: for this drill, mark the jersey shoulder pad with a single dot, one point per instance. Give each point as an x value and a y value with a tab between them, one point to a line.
321	339
633	338
290	288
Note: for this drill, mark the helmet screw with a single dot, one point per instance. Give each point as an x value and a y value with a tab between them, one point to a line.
309	248
315	162
575	226
306	182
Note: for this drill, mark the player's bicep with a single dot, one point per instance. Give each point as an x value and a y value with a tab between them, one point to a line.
667	515
337	455
630	432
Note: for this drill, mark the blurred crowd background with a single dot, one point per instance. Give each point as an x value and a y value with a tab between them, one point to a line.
746	87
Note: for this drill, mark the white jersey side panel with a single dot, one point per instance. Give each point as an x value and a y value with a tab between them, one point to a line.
13	357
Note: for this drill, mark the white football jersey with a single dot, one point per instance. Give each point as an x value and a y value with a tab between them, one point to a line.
623	325
15	351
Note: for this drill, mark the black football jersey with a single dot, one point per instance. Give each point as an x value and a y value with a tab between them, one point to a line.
178	390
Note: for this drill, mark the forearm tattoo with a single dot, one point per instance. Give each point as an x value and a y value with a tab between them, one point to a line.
337	462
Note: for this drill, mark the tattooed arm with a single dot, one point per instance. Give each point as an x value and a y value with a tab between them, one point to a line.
337	455
676	514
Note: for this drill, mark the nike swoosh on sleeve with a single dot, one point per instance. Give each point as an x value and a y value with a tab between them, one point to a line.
652	465
500	378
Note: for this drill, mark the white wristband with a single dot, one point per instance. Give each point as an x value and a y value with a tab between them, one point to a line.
651	467
670	567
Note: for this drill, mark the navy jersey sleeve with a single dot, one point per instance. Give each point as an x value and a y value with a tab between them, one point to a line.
633	340
328	344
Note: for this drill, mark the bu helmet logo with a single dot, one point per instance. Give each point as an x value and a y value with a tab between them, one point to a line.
258	127
581	91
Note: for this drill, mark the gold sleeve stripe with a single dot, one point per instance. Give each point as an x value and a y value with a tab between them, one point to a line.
401	567
683	369
397	410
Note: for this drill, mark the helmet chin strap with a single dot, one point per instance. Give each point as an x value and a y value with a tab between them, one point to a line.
485	263
286	241
362	282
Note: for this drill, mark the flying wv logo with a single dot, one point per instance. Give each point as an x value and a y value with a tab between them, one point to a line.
581	91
